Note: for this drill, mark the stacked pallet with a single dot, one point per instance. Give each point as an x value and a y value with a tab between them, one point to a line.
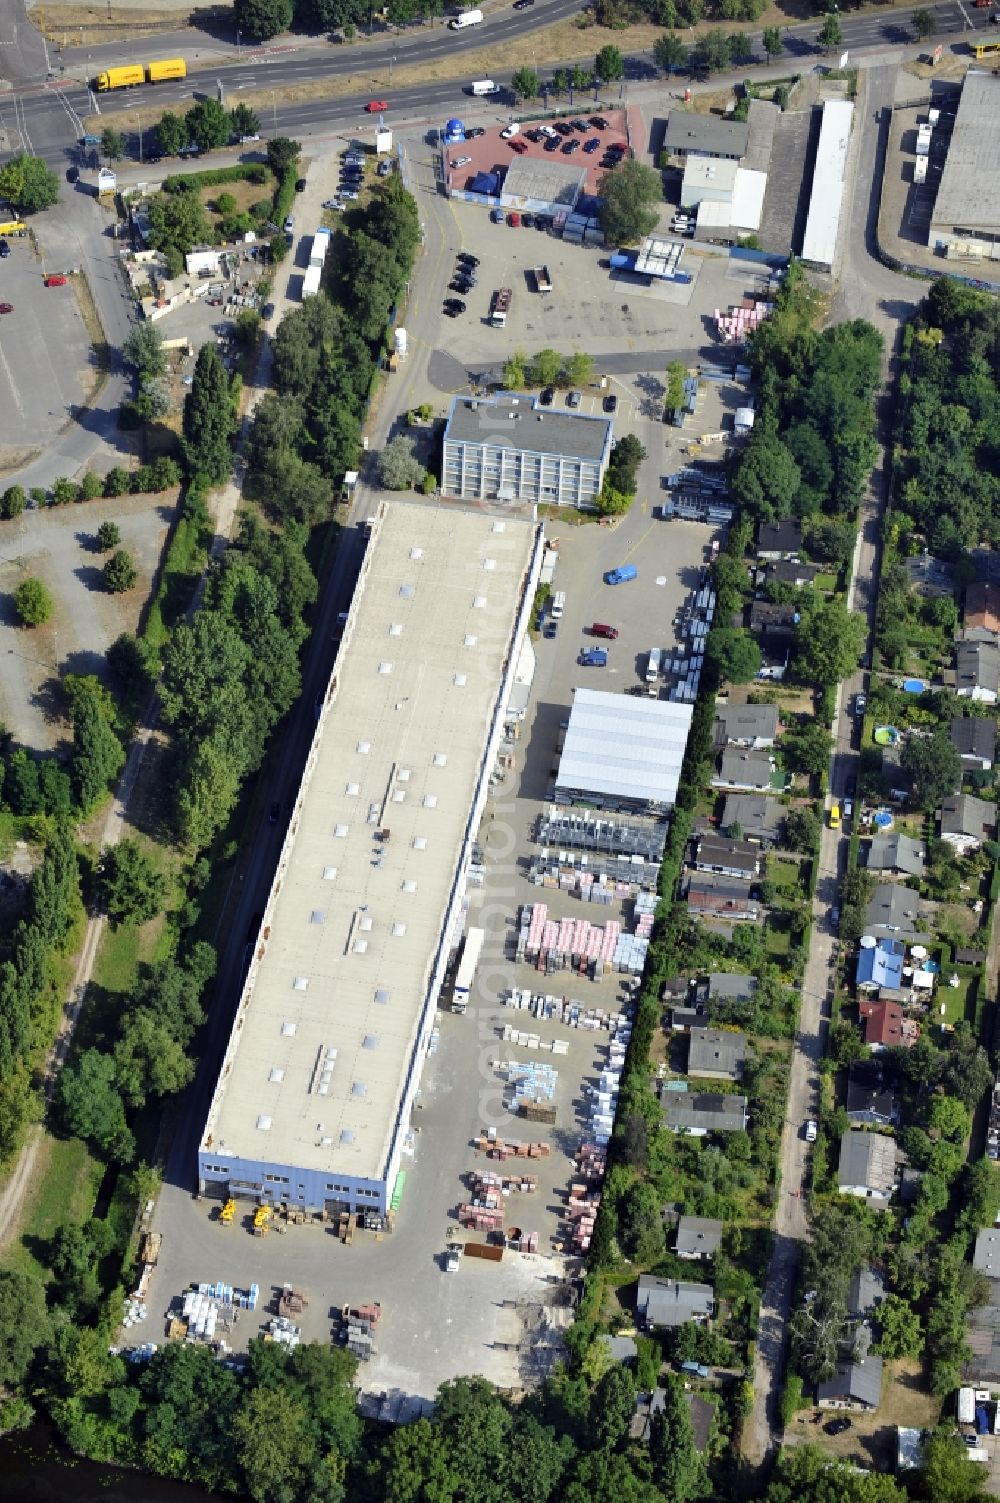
742	319
480	1219
488	1182
502	1148
512	1035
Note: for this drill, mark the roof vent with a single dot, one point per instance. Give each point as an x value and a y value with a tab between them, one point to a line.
489	564
340	831
301	983
479	602
398	930
399	796
430	800
416	553
406	591
352	790
288	1030
318	916
359	1088
395	629
329	874
403	774
365	923
364	747
460	680
469	640
360	946
498	526
382	995
346	1136
440	759
263	1124
385	667
277	1076
370	1041
409	885
420	842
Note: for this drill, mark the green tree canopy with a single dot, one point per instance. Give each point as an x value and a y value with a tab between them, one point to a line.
120	573
24	1325
133	886
773	42
934	765
28	184
171	136
244	121
609	65
208	124
92	1105
33	603
830	33
629	192
734	653
209	420
669	52
282	154
829	640
640	1223
399	468
143	351
526	83
767	478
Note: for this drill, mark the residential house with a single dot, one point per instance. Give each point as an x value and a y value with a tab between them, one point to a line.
966	822
725	986
880	965
698	1113
896	853
867	1167
782	539
869	1100
773	623
986	1258
865	1293
665	1303
752	726
982	1335
892	912
717	1054
689	134
761	820
977	671
883	1024
701	1411
774	660
731	858
675	989
619	1348
747	771
929	576
855	1385
684	1019
697	1237
981	617
793	572
712	896
974	737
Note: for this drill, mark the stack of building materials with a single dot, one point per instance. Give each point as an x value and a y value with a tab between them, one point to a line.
532	1083
489	1182
591	1163
135	1310
581	1213
555	944
506	1148
281	1330
630	954
594	879
644	912
513	1035
480	1219
562	1010
522	1241
742	319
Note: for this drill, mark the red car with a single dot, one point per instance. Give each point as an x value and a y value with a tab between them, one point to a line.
55	281
6	307
376	106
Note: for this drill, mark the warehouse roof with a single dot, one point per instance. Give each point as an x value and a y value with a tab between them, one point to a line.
819	244
709	134
514	420
541	180
968	195
620	747
324	1038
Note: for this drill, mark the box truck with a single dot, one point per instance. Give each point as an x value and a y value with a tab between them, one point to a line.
166	69
466	973
500	307
465	18
543	282
484	87
320	246
310	281
121	78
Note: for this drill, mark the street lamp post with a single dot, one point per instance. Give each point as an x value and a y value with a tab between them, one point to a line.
391	61
238	53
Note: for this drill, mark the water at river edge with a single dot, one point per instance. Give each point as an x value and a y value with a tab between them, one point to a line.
34	1468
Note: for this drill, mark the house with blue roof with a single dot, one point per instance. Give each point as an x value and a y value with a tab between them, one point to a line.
881	965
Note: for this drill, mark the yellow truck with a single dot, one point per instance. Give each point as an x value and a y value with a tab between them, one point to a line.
121	78
138	73
169	67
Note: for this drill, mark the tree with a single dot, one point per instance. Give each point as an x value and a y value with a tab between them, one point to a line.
612	1407
710	53
120	573
24	1325
525	83
807	747
149	1061
171	134
950	1119
734	653
244	121
947	1475
807	1472
98	755
828	643
112	144
609	65
545	368
33	603
669	52
900	1334
282	155
924	24
92	1105
133	887
208	124
143	351
934	765
830	33
13	501
677	1469
740	47
640	1223
262	19
629	192
28	184
177	221
773	43
767	477
515	372
209	420
398	466
579	368
802	831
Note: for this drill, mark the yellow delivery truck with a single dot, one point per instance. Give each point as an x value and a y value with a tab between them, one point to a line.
169	67
121	78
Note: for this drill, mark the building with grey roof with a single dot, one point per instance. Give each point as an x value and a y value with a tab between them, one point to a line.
542	185
780	539
688	134
745	771
986	1258
819	241
977	671
664	1303
619	1348
623	753
710	895
792	571
698	1113
726	986
892	912
867	1167
966	822
717	1054
313	1100
974	737
509	447
752	726
865	1293
732	858
896	852
760	818
697	1237
855	1385
966	213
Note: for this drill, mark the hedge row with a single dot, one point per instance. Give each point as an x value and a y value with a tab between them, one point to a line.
148	479
243	172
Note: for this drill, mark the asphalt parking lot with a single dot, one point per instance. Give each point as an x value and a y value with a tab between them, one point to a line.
46	362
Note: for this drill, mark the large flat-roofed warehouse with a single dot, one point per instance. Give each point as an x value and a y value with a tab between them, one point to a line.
966	212
622	753
819	243
313	1101
510	448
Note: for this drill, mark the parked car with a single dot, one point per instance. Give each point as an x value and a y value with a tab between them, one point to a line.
467	258
55	281
812	1130
289	224
246	140
461	162
598	122
860	704
574	398
551	627
837	1426
385	167
475	130
522	4
548	396
621	575
581	125
594	144
601	629
593	657
610	403
497	216
569	148
6	307
350	193
72	173
535	135
518	145
376	106
4	249
552	144
528	221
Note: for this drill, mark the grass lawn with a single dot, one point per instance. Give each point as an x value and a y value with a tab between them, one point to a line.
65	1184
122	950
784	874
959	1001
777	935
826	581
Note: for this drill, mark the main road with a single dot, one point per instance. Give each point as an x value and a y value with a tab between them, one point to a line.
51	97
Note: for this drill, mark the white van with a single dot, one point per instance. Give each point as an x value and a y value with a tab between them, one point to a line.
653	665
465	18
558	605
483	87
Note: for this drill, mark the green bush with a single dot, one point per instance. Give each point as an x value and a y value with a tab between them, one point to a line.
13	501
64	491
188	182
91	486
33	603
116	482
